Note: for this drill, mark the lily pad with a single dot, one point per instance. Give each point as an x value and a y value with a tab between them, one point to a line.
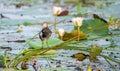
94	27
38	44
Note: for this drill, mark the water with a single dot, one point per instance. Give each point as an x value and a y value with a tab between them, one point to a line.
41	13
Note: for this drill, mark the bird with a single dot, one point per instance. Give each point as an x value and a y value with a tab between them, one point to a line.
45	34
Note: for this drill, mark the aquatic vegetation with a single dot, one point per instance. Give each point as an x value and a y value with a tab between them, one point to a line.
78	22
80	56
56	12
74	44
38	44
26	23
37	52
94	51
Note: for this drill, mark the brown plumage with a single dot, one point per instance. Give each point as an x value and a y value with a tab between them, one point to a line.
45	34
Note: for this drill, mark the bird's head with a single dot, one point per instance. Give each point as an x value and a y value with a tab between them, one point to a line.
45	24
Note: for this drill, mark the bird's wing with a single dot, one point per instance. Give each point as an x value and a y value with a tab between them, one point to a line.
49	31
40	34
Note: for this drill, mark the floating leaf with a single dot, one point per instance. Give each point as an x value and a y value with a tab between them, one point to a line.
38	44
75	33
72	34
79	56
94	27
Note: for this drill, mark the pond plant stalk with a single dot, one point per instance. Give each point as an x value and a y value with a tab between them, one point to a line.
78	22
78	33
55	18
56	12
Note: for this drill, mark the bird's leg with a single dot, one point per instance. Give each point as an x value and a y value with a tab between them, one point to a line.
47	43
42	44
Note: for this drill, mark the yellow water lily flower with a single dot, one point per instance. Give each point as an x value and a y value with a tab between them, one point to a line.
77	21
56	10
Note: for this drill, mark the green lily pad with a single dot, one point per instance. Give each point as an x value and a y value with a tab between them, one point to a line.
94	27
38	44
72	34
